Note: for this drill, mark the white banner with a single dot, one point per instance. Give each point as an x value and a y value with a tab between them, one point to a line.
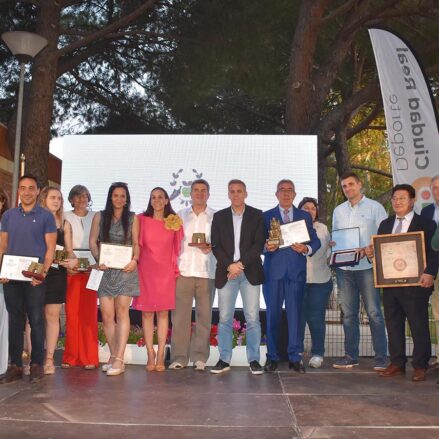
412	131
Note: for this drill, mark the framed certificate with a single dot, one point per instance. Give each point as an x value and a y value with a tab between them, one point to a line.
399	259
345	251
13	266
115	255
294	232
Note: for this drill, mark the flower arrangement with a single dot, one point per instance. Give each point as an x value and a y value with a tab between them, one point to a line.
173	222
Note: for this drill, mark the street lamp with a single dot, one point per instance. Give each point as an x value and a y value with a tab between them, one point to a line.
25	46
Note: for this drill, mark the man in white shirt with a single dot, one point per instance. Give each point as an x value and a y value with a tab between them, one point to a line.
355	282
196	281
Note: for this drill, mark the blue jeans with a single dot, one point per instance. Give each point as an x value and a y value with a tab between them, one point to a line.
315	299
352	284
23	299
226	303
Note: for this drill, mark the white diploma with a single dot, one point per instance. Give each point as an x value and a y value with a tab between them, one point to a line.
95	279
84	253
115	255
12	266
294	232
399	259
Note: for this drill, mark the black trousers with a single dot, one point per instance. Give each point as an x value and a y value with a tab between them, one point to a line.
409	303
23	299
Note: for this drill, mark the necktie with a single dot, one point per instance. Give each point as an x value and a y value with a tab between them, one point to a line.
286	216
399	225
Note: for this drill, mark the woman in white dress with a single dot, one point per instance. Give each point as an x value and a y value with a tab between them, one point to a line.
4	205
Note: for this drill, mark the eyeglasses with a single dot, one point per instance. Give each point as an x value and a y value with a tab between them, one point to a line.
397	199
286	190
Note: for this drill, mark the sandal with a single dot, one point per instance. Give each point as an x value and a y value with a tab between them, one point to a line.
49	368
66	366
90	367
150	365
160	365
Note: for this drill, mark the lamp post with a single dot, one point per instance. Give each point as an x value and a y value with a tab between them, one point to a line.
25	46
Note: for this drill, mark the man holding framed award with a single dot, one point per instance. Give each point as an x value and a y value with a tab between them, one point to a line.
406	302
356	281
285	272
432	212
28	231
196	264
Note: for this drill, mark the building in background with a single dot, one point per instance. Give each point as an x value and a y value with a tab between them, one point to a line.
6	164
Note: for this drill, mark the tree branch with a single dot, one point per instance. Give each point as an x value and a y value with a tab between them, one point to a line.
337	12
123	21
362	168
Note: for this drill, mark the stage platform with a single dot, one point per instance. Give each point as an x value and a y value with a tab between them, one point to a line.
323	403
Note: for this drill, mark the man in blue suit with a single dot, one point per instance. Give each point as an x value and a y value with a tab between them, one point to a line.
285	277
431	212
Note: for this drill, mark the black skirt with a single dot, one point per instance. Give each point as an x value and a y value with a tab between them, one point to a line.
56	285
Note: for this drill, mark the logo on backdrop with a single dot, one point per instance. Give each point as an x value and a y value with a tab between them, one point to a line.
181	185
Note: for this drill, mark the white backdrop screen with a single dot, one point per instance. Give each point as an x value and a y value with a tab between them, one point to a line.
174	161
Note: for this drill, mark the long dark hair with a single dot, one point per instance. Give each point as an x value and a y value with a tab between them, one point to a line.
5	200
168	208
108	211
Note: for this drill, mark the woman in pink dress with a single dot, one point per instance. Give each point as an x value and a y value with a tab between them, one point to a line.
160	238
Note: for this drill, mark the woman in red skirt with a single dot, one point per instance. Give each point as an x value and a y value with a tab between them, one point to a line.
81	348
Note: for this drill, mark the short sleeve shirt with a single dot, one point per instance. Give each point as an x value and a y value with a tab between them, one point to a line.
367	214
27	231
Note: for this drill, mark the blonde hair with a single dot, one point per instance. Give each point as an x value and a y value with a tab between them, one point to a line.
59	214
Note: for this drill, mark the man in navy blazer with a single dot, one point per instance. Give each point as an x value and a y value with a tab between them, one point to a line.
432	212
285	278
237	243
411	302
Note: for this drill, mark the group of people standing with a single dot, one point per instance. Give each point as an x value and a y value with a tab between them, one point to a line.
167	273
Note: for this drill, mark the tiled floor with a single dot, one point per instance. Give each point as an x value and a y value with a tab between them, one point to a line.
325	403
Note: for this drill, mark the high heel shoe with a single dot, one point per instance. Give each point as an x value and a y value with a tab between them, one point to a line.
49	368
150	365
113	371
160	364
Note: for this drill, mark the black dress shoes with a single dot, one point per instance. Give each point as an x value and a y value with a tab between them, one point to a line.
270	366
297	366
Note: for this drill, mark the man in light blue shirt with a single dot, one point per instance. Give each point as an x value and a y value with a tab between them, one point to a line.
355	282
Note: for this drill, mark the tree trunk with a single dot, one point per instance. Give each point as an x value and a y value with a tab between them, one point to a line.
299	86
39	108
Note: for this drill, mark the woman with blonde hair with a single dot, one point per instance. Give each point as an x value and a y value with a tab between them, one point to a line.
56	281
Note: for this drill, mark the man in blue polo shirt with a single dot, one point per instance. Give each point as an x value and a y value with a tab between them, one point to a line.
27	230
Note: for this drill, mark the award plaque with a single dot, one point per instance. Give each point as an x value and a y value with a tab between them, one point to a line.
60	256
85	253
13	267
115	255
399	259
345	251
295	232
199	240
35	270
275	234
83	265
